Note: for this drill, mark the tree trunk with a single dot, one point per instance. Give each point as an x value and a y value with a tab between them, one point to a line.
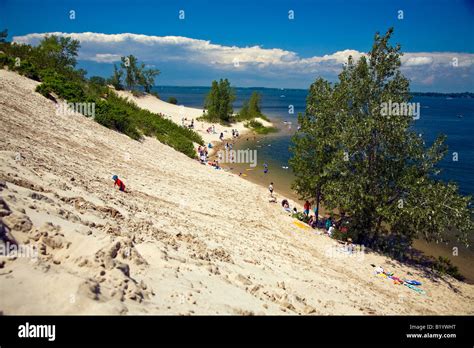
318	199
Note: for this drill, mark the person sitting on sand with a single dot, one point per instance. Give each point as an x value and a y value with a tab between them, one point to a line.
119	183
286	206
328	223
312	221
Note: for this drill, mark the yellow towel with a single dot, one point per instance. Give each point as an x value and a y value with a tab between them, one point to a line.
301	224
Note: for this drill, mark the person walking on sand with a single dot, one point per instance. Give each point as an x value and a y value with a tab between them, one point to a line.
221	137
119	183
270	188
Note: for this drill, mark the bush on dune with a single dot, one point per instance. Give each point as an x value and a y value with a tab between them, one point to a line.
53	63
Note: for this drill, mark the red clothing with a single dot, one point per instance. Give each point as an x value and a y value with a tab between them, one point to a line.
307	206
120	184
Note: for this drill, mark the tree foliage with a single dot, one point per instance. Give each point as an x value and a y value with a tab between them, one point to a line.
375	167
251	108
219	102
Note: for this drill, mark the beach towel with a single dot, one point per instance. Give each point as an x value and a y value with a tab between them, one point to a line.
415	288
412	282
301	225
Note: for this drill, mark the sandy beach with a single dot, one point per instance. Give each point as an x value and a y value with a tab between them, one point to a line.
186	239
176	113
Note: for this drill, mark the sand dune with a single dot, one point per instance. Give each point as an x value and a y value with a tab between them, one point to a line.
187	239
177	112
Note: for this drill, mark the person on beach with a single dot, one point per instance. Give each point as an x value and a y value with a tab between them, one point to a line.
265	168
331	230
285	205
119	183
221	137
328	223
307	207
270	188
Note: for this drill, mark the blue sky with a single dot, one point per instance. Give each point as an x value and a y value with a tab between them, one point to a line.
253	42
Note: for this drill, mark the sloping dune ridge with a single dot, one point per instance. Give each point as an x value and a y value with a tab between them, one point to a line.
186	239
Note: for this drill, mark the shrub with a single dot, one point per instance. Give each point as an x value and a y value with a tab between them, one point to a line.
172	100
443	265
259	128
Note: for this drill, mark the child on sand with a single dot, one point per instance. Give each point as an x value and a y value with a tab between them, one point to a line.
270	188
119	183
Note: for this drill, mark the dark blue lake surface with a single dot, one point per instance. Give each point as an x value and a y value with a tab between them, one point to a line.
439	115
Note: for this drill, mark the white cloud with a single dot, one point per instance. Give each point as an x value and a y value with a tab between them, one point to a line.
270	62
414	61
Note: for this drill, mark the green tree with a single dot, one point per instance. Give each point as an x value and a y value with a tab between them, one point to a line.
313	143
129	65
212	102
146	77
251	108
116	78
227	97
57	52
375	167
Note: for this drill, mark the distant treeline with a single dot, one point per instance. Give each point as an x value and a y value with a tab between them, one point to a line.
436	94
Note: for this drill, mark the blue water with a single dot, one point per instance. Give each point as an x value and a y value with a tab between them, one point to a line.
439	115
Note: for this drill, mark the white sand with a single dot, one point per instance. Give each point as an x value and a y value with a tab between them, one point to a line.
188	239
177	112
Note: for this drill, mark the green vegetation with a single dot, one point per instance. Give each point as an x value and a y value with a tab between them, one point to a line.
135	74
259	128
172	100
251	108
53	63
373	167
250	111
443	265
218	102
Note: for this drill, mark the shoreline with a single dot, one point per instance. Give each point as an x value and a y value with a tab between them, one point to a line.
284	190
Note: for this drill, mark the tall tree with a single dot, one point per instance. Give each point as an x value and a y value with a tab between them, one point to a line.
313	143
212	102
116	78
129	65
226	99
146	77
375	167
